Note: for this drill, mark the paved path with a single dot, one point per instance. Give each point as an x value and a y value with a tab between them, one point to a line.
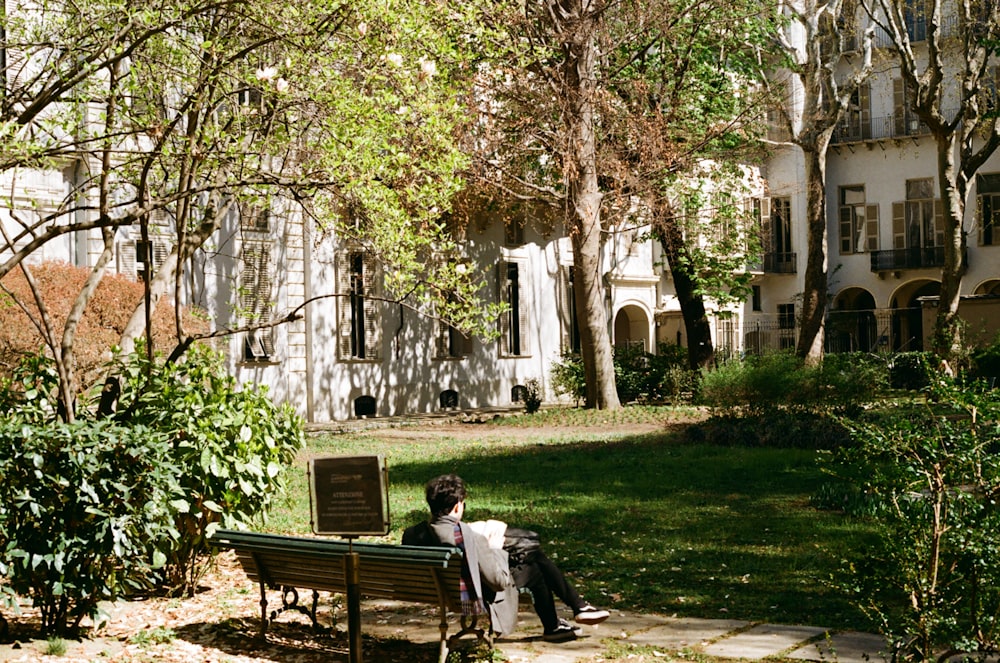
646	634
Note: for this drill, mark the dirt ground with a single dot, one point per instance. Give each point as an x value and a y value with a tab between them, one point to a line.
221	623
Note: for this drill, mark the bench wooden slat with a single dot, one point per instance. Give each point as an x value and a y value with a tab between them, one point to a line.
403	573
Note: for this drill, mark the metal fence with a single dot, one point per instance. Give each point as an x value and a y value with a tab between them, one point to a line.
881	330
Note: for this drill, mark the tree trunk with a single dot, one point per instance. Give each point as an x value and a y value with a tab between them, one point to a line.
815	288
584	203
701	352
947	340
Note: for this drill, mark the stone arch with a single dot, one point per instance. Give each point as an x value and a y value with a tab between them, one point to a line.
907	318
632	327
852	325
988	287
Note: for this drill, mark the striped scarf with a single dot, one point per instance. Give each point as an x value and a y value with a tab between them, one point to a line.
471	604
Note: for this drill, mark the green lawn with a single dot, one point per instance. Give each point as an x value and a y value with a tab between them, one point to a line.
646	522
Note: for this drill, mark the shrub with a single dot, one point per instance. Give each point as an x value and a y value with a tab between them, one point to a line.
761	385
986	362
532	396
568	376
79	505
932	581
100	327
233	444
754	386
911	370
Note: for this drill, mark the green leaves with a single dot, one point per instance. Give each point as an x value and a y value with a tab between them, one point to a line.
77	516
932	471
232	442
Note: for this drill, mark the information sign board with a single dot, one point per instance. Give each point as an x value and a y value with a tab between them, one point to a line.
349	495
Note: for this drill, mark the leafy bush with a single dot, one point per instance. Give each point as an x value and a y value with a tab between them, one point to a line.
639	376
780	429
532	396
932	471
754	386
759	386
79	505
233	444
911	370
100	327
986	362
568	376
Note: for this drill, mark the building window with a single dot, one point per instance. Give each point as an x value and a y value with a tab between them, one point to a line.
255	297
567	311
255	219
905	120
855	124
776	238
858	221
786	316
922	226
513	230
755	298
141	259
514	321
359	323
451	342
914	15
988	208
786	326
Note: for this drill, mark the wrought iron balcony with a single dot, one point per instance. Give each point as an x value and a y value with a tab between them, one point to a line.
913	258
779	263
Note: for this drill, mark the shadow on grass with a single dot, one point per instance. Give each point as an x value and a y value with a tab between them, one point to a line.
649	523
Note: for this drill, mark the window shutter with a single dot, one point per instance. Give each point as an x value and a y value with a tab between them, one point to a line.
846	230
522	312
126	258
564	307
979	219
938	222
343	268
864	100
466	344
899	106
766	235
501	275
373	309
871	227
443	338
899	225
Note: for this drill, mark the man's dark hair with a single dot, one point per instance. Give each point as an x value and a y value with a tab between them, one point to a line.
443	493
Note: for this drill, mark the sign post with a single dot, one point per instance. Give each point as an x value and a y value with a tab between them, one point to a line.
349	497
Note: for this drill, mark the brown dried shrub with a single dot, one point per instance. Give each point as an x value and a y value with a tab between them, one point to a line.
100	327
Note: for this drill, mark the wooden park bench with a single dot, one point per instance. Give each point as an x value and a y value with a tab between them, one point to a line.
403	573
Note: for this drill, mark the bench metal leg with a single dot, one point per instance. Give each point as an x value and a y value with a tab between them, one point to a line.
263	612
444	635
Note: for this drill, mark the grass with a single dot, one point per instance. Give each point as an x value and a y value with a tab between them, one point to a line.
647	523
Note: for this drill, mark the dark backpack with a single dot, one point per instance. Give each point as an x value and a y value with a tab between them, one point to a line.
521	545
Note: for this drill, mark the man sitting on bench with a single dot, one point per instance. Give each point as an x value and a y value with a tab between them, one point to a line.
537	573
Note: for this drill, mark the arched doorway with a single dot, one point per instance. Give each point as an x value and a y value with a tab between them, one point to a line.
632	328
991	287
852	325
907	317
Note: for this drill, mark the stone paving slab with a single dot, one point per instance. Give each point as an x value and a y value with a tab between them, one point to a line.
762	640
846	647
678	634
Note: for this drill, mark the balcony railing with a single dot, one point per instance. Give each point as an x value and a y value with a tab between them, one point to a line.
779	263
914	258
898	125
